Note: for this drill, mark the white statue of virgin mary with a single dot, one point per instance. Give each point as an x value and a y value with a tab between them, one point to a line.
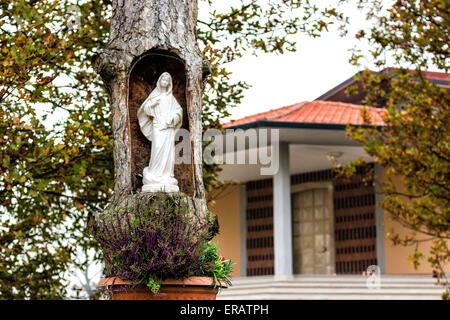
159	117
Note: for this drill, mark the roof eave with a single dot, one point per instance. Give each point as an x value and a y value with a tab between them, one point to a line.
296	125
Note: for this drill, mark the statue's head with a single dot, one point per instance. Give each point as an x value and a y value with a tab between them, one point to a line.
163	86
165	81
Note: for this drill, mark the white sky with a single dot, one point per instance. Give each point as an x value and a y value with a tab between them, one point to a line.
318	66
280	80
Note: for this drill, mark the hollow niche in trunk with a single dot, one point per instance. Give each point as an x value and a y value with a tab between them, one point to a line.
148	38
142	80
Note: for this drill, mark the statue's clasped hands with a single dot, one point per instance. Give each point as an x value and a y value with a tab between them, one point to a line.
171	123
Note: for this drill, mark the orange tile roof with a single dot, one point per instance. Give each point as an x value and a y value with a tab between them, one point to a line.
317	111
437	75
430	75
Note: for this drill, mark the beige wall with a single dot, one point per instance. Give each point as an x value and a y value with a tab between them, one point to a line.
397	256
226	207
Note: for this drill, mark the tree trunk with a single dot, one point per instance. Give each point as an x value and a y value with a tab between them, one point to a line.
148	37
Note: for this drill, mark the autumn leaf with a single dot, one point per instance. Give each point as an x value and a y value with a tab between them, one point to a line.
79	205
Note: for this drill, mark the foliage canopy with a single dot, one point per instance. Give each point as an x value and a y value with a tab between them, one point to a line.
55	122
414	145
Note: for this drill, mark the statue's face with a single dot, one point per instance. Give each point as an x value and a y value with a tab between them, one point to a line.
165	81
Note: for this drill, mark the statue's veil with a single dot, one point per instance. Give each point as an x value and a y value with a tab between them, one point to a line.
157	91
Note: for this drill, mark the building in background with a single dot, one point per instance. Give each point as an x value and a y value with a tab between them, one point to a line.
304	233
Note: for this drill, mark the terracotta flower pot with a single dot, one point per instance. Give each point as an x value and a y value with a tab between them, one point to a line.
193	288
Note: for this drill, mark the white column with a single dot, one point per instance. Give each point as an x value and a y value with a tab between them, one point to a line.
282	221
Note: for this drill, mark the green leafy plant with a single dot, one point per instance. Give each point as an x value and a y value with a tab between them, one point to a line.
154	238
214	265
154	285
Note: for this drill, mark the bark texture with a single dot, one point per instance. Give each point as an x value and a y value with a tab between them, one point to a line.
146	37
